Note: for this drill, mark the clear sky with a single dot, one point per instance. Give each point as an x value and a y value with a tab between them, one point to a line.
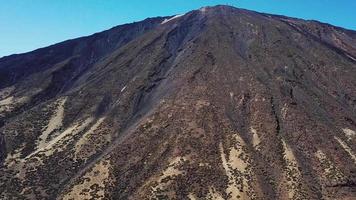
26	25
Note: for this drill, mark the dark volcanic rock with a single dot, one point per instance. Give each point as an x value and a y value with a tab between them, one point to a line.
219	103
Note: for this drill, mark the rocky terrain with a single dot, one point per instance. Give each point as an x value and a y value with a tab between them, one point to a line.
218	103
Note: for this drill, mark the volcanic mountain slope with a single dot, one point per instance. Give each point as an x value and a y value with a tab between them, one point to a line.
218	103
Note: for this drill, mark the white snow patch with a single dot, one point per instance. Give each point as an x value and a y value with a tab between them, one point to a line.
170	19
354	59
203	9
123	89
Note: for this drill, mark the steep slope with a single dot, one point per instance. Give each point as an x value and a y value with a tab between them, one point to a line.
52	70
219	103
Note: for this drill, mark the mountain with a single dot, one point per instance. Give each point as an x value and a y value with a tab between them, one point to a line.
218	103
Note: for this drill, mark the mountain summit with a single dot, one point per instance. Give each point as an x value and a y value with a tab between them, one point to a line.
218	103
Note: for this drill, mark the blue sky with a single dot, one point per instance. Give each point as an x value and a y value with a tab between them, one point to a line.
26	25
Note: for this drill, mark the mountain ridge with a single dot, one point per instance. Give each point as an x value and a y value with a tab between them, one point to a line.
166	17
219	103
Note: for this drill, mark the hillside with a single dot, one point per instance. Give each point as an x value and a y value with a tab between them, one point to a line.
218	103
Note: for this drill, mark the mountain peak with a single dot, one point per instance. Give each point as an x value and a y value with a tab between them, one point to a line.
212	104
220	6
